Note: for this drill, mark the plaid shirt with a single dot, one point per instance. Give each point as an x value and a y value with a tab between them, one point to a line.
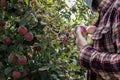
102	59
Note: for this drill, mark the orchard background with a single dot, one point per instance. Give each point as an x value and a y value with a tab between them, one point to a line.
36	39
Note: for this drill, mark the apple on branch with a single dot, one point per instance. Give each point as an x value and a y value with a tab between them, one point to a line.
22	30
12	58
63	37
22	60
16	74
28	36
7	41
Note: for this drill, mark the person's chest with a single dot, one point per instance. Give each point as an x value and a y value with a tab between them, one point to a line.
106	43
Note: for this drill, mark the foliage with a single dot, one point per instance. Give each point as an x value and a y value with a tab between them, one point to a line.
52	54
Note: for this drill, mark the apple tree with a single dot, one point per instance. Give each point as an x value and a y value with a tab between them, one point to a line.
36	39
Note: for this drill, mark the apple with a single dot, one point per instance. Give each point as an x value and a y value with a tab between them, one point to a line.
3	2
83	30
22	60
12	58
28	36
63	37
7	41
2	23
22	30
16	74
91	29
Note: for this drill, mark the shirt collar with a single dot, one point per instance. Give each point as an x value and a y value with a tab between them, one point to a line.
105	4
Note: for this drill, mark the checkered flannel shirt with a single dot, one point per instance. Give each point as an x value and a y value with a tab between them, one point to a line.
102	59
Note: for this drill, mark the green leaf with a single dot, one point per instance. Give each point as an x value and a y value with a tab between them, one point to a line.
8	70
27	2
23	22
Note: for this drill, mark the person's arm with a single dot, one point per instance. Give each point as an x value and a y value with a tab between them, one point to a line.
90	58
99	61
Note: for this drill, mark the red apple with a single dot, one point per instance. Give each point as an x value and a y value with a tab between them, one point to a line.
63	37
7	41
2	23
91	29
29	36
22	30
12	58
22	60
3	2
16	74
83	30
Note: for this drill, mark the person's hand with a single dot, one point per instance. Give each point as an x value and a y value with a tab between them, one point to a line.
80	40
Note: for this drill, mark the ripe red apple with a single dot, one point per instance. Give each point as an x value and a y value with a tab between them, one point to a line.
63	37
12	58
16	74
83	30
91	29
28	36
2	23
7	41
22	30
22	60
3	3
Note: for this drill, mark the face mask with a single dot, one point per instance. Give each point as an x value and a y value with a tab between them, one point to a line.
89	3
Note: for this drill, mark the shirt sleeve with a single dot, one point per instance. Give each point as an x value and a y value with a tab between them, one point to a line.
90	58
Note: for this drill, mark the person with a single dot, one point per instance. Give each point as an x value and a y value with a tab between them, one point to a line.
102	58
